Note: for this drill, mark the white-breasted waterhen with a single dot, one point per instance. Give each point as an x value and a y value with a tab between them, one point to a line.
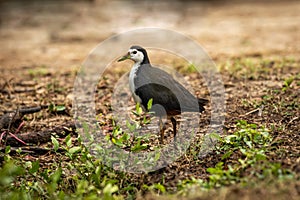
168	96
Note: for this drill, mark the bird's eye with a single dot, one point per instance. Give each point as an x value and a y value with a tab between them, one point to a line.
134	52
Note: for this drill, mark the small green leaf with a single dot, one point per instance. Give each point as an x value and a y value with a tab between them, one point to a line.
219	165
138	110
139	146
160	187
288	81
60	108
249	143
51	107
131	127
212	170
253	126
56	175
146	120
226	155
74	150
68	140
19	150
55	143
230	138
149	104
8	173
7	149
157	156
125	137
118	142
242	123
35	167
109	189
260	156
56	108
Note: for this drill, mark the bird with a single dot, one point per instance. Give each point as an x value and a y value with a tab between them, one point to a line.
169	97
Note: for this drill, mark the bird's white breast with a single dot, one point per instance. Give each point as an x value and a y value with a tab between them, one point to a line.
132	75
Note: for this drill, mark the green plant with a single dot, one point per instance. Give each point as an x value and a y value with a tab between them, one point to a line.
38	71
130	138
158	187
251	144
287	83
56	108
220	176
244	151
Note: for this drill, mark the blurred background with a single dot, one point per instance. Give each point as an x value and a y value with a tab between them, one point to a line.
62	33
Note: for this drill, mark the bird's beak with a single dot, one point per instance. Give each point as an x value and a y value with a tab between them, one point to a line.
125	57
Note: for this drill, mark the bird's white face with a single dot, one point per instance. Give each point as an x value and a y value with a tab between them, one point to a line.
136	55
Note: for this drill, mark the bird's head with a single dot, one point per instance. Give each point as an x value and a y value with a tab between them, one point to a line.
137	54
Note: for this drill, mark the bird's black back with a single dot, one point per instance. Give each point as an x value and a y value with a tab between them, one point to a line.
151	82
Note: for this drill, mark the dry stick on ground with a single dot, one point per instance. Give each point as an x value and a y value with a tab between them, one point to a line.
257	110
43	136
14	118
34	150
7	120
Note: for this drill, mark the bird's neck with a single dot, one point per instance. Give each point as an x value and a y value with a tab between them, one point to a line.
138	64
145	61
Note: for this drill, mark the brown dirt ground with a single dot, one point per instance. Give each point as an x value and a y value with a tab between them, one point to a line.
43	45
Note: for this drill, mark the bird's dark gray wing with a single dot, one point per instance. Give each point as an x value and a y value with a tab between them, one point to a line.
155	83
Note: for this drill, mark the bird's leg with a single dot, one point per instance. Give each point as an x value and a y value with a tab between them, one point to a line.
161	130
173	120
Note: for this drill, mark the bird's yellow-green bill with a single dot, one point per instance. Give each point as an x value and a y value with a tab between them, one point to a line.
127	56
